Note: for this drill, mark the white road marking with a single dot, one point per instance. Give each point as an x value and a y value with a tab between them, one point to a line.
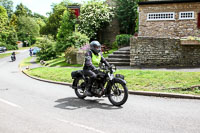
82	126
9	103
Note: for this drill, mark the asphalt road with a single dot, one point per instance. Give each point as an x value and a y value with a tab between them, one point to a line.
31	106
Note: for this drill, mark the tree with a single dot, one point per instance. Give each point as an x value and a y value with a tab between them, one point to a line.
37	15
53	22
13	21
67	25
8	5
21	10
3	23
7	33
94	16
27	29
3	18
65	31
28	11
126	11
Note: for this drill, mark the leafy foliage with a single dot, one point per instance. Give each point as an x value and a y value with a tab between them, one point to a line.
79	39
7	33
67	26
13	21
8	5
37	15
47	50
27	29
123	40
126	11
94	16
8	46
76	39
20	10
3	18
53	22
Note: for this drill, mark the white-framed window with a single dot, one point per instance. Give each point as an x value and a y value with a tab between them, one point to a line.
186	15
161	16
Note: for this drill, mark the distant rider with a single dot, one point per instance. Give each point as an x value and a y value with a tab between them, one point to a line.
13	56
92	60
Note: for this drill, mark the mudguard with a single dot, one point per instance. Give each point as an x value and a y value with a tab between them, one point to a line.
108	87
120	80
74	83
77	74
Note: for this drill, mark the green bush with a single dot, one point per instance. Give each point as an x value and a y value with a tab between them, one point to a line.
47	49
76	39
79	39
123	40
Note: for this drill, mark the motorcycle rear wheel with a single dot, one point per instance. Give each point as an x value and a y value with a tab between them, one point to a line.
118	93
80	88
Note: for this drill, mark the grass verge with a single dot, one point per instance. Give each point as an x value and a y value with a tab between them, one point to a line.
5	55
52	73
141	80
26	62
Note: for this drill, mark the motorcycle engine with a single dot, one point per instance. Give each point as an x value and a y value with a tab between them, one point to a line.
97	89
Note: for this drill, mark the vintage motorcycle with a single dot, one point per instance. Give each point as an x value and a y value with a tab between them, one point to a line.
105	85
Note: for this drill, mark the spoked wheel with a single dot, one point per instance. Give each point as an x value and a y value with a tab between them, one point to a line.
80	88
118	93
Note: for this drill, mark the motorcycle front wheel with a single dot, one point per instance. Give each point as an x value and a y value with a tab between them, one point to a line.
80	88
118	93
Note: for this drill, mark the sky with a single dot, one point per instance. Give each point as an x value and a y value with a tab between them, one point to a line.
40	6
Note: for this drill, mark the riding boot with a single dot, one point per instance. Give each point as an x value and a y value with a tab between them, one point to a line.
88	88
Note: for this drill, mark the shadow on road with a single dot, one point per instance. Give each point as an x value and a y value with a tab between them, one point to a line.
72	103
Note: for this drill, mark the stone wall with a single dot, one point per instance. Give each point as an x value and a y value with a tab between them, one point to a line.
169	28
162	52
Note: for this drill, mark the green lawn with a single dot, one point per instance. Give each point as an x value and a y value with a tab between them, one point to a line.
143	80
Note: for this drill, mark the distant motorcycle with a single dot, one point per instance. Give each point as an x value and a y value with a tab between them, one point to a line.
106	84
13	58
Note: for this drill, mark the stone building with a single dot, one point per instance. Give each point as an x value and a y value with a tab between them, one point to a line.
161	24
177	18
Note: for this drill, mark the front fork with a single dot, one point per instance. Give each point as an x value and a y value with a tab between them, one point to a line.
111	82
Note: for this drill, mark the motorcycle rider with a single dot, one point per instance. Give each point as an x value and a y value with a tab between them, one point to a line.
92	60
13	57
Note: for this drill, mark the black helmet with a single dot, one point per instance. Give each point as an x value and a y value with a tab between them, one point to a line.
95	46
